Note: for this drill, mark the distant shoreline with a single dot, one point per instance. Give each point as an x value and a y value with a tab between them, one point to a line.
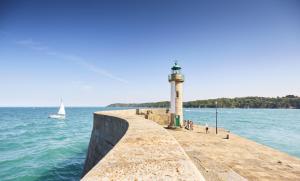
133	107
287	102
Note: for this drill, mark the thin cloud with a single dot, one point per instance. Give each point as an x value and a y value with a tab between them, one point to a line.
29	43
32	44
101	71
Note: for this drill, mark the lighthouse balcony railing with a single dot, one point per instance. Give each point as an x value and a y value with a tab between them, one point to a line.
179	77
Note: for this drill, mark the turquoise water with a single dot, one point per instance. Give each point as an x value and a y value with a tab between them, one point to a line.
277	128
33	147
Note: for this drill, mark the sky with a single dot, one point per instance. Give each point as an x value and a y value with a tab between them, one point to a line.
93	53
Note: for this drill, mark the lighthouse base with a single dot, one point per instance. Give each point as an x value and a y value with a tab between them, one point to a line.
174	121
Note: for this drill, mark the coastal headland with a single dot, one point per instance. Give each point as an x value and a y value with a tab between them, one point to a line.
134	145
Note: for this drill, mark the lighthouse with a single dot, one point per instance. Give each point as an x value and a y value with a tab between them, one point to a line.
176	80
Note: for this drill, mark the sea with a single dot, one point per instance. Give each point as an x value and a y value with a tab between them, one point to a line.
34	147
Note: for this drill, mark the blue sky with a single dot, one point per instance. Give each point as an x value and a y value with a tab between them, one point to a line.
94	53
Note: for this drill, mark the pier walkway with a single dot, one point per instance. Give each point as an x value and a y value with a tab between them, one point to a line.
235	158
146	151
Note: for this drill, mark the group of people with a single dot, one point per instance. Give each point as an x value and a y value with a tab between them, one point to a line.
188	124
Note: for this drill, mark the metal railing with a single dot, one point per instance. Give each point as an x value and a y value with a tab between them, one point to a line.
178	77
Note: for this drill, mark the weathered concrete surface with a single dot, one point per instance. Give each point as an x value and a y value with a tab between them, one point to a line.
160	116
146	152
236	158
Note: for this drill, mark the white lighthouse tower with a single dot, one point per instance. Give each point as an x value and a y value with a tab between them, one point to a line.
176	80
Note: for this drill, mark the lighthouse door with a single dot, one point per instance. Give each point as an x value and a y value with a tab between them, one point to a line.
177	120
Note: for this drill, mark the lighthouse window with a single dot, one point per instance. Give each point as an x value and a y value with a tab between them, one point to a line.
177	94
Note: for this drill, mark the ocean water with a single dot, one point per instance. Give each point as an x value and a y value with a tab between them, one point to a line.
276	128
33	147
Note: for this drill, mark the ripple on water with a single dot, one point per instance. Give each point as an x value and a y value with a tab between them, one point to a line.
33	147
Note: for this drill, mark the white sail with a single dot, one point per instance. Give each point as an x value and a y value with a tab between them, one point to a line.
61	110
61	114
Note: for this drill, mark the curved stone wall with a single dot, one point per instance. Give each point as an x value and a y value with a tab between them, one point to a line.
107	131
131	147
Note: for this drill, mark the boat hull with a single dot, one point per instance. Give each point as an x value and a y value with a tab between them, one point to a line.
57	116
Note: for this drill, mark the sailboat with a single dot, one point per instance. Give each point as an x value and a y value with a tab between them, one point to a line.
61	114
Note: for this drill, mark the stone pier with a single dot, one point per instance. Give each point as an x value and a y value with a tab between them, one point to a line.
126	146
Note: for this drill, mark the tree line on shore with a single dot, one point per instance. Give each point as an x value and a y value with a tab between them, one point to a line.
289	101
